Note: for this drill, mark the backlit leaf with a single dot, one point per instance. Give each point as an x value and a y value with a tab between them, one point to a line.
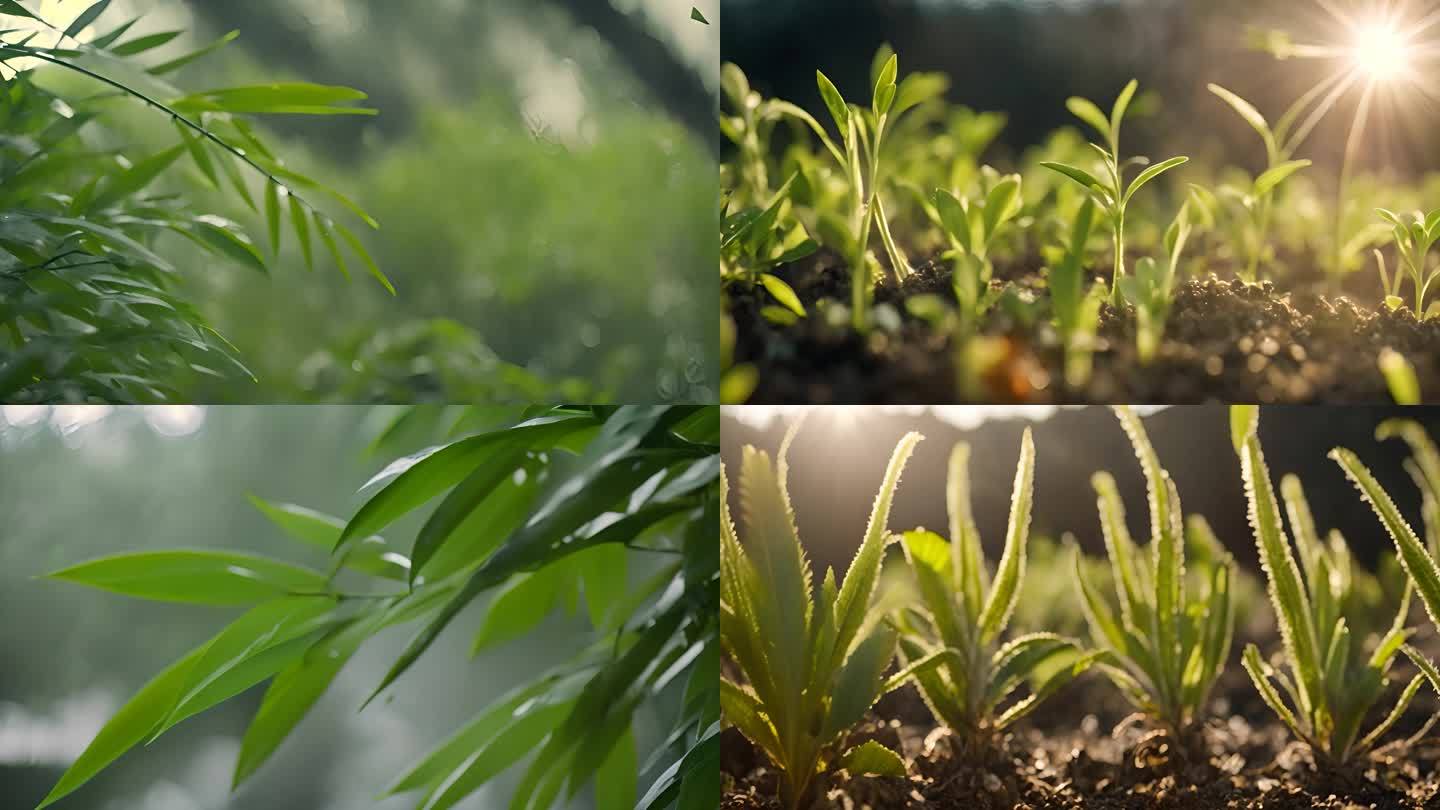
197	577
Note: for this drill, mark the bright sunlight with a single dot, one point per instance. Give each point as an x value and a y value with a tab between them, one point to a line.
1382	52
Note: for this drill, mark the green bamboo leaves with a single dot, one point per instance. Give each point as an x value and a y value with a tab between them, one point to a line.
1112	192
1332	683
813	663
645	478
92	312
963	613
196	577
1163	651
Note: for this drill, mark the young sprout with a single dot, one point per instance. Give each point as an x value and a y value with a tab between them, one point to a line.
1257	202
754	241
1164	651
748	127
1333	683
1112	192
1400	378
1414	237
971	227
963	614
1417	558
1152	289
813	663
1390	284
862	138
1077	311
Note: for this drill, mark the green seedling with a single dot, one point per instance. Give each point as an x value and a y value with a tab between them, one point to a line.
1077	311
1390	284
749	126
1281	143
862	138
1400	378
1418	559
813	666
971	227
1332	682
755	241
1113	194
1164	651
963	614
1414	237
1152	289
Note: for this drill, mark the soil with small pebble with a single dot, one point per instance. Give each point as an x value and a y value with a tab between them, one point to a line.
1080	752
1226	341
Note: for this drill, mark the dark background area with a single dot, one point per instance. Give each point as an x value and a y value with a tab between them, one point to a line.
1025	57
839	459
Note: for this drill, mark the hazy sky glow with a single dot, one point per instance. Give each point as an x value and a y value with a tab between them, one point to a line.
965	417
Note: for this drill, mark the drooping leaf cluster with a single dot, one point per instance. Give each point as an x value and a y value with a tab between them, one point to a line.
537	515
91	299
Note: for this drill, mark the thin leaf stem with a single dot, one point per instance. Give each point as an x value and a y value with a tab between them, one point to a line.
168	110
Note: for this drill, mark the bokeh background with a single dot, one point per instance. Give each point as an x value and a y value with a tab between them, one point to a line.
544	176
1026	57
77	482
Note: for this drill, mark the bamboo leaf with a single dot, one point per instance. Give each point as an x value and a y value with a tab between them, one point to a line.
195	577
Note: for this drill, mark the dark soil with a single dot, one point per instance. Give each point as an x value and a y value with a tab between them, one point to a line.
1226	341
1080	752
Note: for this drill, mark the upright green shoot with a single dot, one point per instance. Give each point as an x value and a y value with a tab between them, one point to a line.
1077	311
862	138
1112	192
1415	235
1281	144
963	613
1163	651
1333	683
813	663
971	227
1152	289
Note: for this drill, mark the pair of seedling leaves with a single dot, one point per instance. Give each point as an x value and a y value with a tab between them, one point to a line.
487	529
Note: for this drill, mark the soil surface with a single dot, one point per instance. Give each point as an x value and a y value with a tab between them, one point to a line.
1080	751
1226	341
